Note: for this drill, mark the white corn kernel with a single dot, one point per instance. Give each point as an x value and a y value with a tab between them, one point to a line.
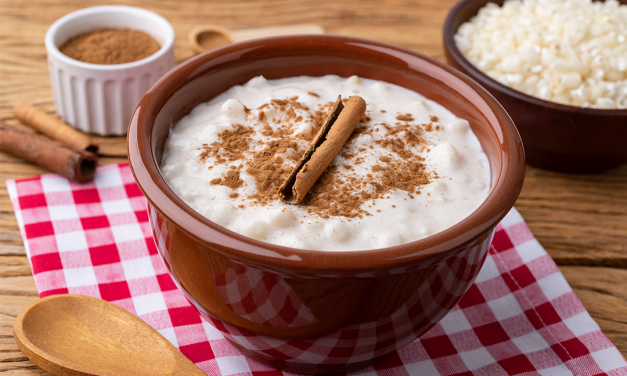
605	103
459	126
281	217
257	82
256	230
232	108
570	80
445	154
353	80
337	231
223	213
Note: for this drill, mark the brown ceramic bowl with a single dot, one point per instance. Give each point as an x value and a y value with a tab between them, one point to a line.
557	137
315	311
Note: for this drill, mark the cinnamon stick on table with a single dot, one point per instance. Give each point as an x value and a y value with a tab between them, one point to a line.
77	165
53	127
334	133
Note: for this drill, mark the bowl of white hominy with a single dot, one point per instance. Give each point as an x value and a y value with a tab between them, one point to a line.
559	68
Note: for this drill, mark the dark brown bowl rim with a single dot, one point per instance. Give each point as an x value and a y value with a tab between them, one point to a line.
485	80
250	251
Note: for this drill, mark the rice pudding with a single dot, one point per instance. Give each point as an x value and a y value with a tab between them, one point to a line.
409	170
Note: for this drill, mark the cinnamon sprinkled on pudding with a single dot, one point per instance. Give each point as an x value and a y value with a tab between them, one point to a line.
409	169
335	193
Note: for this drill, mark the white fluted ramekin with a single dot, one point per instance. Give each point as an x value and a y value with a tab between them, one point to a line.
98	98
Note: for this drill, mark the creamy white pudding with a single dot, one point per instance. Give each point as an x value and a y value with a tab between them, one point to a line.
409	170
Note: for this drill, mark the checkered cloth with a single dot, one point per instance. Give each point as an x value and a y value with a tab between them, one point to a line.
519	317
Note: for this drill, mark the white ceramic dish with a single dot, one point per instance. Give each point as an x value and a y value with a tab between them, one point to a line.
98	98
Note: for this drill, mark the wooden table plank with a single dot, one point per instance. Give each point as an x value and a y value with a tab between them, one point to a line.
604	294
580	219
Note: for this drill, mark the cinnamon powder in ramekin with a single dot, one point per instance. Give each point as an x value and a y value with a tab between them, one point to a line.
110	46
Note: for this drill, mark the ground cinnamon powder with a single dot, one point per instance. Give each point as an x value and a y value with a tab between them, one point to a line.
110	46
231	180
338	192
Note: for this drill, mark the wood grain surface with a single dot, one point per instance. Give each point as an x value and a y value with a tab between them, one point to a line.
581	220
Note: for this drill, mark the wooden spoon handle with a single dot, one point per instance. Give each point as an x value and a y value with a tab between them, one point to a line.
263	32
206	37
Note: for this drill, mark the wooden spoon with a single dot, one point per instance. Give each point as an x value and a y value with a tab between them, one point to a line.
207	37
80	335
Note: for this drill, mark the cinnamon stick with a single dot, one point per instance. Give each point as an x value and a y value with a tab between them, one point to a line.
53	127
335	131
77	165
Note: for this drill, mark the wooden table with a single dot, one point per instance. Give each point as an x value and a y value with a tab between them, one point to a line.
581	220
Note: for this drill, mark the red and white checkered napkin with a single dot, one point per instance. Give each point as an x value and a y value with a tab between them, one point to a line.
519	317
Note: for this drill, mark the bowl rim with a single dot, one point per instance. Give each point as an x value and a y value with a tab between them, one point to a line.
53	49
504	192
451	47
